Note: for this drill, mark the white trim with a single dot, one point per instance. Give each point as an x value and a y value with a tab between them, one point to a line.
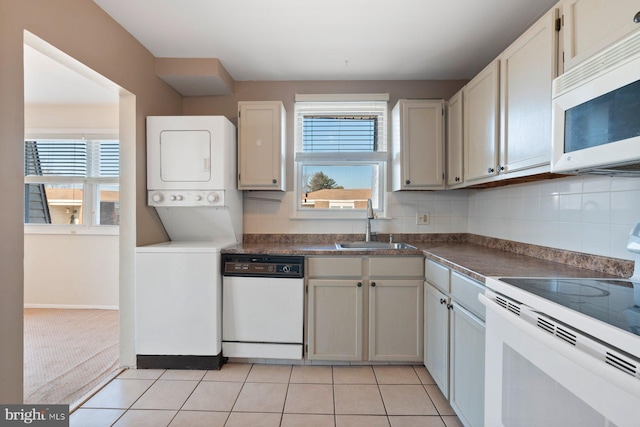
376	157
96	230
58	179
90	134
74	307
341	97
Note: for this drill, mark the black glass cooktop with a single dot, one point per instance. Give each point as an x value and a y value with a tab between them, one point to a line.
609	300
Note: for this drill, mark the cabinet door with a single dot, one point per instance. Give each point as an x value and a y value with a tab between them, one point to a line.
591	25
455	159
395	320
527	69
419	145
436	336
481	115
467	367
335	319
261	146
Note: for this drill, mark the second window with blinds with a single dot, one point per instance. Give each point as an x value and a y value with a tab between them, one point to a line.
341	154
72	182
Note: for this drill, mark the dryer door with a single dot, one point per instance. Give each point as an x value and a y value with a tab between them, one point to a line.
185	156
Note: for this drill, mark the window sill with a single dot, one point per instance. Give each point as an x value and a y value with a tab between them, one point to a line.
104	230
335	215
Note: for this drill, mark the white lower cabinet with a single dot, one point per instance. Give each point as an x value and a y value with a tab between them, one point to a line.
365	308
436	336
454	340
335	319
395	320
466	382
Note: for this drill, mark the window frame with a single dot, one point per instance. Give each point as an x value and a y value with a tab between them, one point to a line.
379	159
91	187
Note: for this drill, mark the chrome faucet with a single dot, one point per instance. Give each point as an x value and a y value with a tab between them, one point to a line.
367	235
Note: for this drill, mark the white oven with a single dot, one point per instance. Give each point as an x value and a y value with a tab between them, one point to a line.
540	371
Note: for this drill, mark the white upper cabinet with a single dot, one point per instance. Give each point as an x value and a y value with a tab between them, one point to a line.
481	118
591	25
455	142
418	145
527	69
261	145
507	109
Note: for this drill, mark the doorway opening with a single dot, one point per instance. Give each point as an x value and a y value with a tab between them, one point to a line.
73	211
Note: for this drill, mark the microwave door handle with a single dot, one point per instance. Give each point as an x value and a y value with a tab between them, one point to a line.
582	358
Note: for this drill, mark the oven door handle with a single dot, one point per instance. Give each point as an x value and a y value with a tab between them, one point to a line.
599	367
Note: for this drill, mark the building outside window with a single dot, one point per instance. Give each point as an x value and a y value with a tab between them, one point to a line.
72	182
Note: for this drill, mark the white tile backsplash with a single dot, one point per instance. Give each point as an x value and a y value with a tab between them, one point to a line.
590	214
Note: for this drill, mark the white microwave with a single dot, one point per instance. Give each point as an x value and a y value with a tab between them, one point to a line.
596	113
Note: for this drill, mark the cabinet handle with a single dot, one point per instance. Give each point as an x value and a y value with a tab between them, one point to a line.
373	284
490	170
443	301
501	168
407	182
457	179
359	284
450	306
275	181
636	18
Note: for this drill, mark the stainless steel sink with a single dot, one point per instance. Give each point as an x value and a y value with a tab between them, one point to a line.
373	245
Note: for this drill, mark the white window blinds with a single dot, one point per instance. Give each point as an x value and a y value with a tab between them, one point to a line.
86	159
340	127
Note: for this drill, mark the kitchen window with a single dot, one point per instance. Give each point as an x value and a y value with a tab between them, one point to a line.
72	183
341	154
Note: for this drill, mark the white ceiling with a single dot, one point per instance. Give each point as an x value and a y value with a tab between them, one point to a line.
330	39
304	40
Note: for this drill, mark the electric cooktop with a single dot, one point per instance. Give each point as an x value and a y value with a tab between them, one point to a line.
609	300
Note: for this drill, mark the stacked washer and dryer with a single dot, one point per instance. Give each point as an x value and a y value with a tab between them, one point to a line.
191	182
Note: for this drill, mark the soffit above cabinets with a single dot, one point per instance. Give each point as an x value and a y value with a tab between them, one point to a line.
195	76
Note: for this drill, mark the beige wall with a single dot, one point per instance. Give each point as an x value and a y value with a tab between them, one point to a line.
53	119
285	91
83	31
71	271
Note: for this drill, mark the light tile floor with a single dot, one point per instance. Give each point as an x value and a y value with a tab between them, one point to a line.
255	395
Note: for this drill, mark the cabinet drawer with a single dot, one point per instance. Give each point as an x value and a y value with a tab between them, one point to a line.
465	291
335	267
396	266
437	275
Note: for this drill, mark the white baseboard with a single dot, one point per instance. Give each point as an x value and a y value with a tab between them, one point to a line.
70	306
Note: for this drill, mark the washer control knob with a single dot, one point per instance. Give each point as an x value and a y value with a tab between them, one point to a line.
172	198
179	198
213	197
198	198
157	197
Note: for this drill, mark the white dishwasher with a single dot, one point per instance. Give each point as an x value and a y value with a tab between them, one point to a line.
262	306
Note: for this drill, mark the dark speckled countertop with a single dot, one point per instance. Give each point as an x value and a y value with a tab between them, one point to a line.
476	256
480	262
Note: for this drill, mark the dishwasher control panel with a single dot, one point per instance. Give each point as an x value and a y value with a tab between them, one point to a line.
263	265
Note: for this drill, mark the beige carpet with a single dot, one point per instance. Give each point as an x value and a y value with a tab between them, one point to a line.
67	353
